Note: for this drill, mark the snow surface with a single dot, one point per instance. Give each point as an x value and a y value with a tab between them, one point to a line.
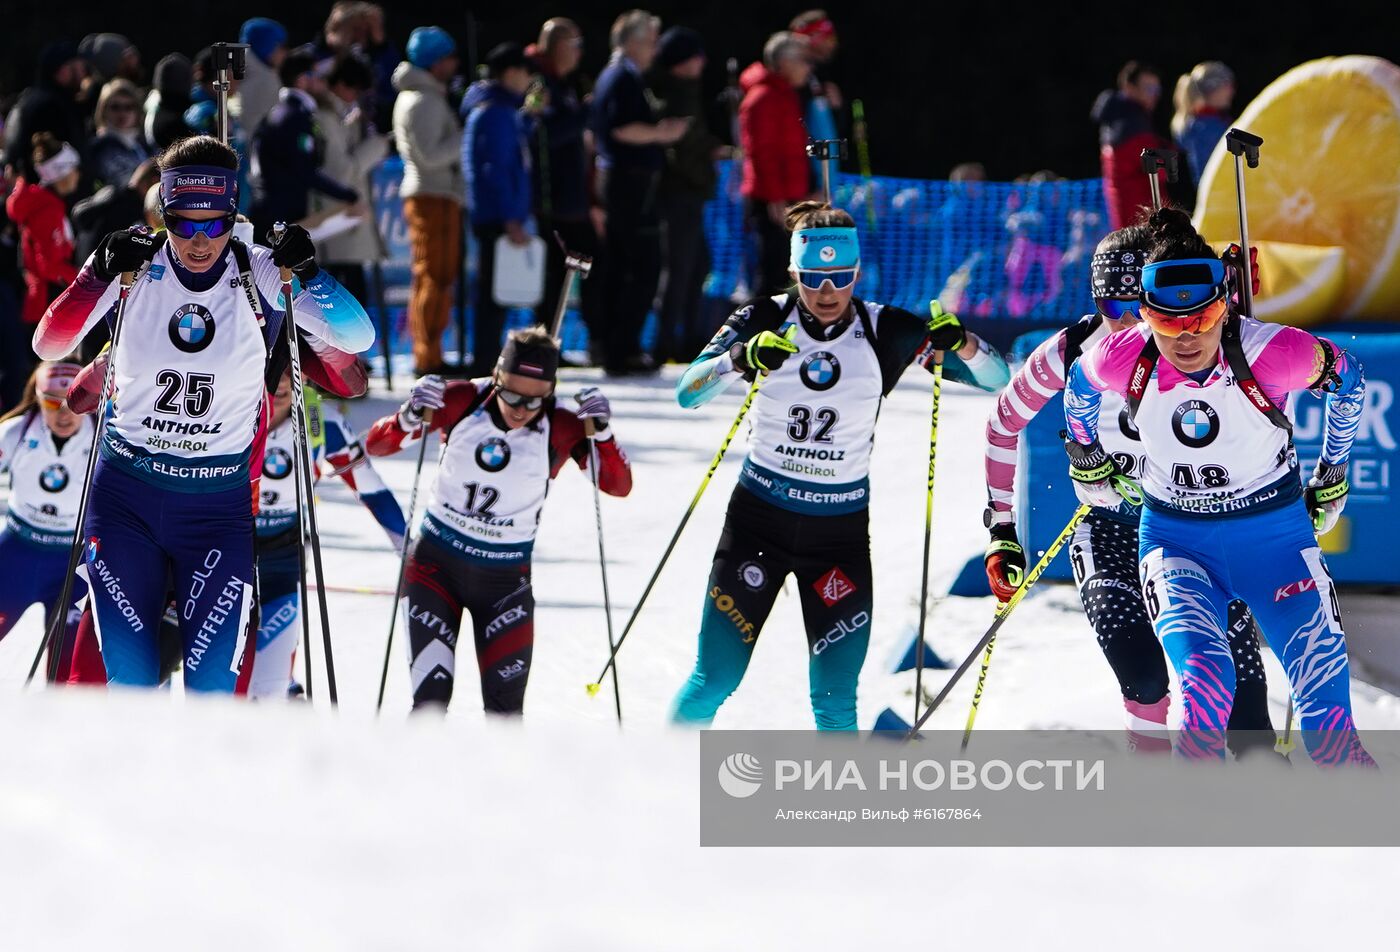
148	821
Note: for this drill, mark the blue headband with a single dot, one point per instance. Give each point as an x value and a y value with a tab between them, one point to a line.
199	187
821	248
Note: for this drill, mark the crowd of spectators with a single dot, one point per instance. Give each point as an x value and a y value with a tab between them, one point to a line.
619	167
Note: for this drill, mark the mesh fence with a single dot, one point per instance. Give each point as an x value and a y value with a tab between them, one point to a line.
1015	251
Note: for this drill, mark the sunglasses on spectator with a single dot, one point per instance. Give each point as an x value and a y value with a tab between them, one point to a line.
519	401
1117	308
188	227
121	107
839	280
52	401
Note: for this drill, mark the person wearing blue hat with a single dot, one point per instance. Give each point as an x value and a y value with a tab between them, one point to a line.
428	137
257	93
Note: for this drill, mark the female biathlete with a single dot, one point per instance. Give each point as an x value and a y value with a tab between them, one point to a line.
335	448
170	493
504	438
1104	550
801	503
1225	515
44	447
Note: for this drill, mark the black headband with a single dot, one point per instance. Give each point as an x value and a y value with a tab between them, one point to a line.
537	360
1116	273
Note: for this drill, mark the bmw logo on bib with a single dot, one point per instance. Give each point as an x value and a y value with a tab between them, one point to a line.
820	371
277	463
192	328
493	455
54	478
1195	423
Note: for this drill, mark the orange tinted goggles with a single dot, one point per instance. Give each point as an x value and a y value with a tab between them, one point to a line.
1197	322
51	401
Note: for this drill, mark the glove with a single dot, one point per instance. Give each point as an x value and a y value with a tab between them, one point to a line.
945	331
1005	561
764	353
123	251
428	394
1233	259
1326	495
1097	480
294	250
592	405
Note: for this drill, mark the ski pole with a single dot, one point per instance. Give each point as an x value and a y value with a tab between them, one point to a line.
306	492
675	537
1003	612
1244	146
573	264
56	636
928	538
1285	744
977	694
589	431
408	534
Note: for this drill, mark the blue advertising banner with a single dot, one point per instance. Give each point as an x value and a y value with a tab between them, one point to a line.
1359	550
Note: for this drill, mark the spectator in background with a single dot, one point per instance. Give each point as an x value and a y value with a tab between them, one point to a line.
559	168
1124	116
38	208
109	56
257	93
495	157
687	183
429	140
631	153
820	100
115	206
167	101
49	105
383	57
352	149
119	147
1203	100
288	152
776	170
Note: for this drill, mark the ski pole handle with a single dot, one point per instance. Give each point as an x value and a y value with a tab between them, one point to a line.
278	230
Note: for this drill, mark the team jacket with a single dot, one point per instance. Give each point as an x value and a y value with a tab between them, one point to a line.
812	424
189	373
492	481
1209	449
46	481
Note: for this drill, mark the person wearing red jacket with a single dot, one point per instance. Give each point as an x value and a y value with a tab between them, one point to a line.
504	438
1125	123
45	236
776	170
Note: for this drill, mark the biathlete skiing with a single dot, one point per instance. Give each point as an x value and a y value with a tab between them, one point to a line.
1226	515
170	494
802	499
504	438
44	448
336	449
1104	550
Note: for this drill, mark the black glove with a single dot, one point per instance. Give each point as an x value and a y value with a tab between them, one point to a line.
294	249
123	251
764	352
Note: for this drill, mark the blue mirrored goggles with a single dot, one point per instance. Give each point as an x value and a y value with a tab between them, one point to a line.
188	227
840	279
1183	286
1116	308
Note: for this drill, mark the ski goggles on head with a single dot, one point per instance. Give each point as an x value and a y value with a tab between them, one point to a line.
519	401
1117	309
1184	296
188	227
839	279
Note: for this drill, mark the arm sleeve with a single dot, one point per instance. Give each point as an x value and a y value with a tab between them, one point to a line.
1293	360
568	441
1083	398
502	162
430	148
712	372
902	334
10	432
387	435
346	456
322	307
330	368
85	392
73	313
1033	386
985	370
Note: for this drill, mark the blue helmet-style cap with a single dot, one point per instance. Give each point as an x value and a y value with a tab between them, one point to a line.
262	36
1183	285
429	44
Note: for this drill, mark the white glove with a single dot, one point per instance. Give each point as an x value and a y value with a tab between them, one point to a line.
592	405
428	394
